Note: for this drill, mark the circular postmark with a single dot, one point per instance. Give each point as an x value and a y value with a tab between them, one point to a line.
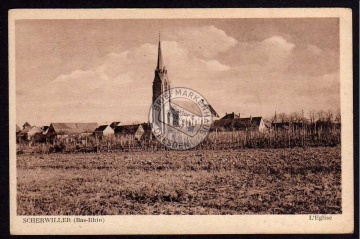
180	118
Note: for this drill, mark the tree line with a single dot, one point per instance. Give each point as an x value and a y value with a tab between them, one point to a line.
312	116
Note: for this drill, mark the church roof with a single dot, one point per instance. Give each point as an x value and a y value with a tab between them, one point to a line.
213	112
186	106
192	107
160	63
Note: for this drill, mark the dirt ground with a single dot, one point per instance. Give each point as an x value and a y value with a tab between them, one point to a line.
246	181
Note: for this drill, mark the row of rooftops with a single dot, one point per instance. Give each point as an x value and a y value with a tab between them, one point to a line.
80	128
118	127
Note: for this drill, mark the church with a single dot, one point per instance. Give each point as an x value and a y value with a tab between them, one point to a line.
170	115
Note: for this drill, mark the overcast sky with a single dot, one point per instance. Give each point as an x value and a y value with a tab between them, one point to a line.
102	70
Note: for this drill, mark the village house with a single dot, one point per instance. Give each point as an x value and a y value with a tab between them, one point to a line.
70	130
233	122
126	130
23	134
33	131
104	130
138	131
26	125
143	132
45	129
36	134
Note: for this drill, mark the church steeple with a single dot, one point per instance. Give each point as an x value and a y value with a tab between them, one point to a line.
161	84
160	64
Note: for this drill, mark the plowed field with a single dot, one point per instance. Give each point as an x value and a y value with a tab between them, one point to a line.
246	181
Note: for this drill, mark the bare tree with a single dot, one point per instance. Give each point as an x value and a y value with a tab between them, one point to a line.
321	115
292	117
312	116
283	117
271	118
296	117
329	115
338	116
303	118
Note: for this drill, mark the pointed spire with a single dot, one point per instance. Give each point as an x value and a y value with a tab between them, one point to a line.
160	64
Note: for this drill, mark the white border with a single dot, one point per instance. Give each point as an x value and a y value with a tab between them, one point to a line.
199	224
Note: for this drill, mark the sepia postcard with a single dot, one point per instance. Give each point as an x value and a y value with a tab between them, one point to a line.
181	121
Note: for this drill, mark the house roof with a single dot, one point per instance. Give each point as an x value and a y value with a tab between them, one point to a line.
254	120
131	129
73	128
101	128
34	130
24	131
44	128
26	125
126	129
230	116
114	124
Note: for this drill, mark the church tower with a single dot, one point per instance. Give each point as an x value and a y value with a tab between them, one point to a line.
161	84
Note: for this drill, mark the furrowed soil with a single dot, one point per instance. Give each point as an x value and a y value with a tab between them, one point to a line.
246	181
